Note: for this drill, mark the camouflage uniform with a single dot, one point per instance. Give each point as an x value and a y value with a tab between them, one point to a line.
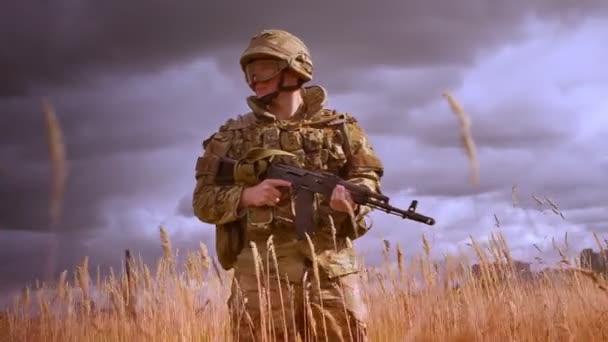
313	134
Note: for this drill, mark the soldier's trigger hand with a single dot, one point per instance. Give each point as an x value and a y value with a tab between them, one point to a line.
265	193
341	199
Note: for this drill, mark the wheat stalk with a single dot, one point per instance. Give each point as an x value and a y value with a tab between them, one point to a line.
261	289
58	159
57	152
275	262
315	268
167	250
466	137
83	282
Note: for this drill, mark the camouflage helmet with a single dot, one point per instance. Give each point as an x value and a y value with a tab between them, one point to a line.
282	45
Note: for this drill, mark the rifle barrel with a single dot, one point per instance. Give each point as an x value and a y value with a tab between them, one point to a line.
409	214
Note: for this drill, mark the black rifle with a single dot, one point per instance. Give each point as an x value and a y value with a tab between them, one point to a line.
305	184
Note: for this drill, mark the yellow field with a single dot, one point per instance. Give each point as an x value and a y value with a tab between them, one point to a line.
408	301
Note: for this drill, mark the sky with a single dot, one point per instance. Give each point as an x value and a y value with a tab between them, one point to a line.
138	85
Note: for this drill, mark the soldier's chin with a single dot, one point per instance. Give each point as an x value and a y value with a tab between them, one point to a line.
262	93
267	98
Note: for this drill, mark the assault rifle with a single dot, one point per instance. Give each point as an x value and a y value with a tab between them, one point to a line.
257	166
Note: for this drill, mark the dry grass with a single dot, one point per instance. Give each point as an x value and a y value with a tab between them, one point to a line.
411	300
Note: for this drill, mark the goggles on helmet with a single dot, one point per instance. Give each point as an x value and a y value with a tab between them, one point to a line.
262	70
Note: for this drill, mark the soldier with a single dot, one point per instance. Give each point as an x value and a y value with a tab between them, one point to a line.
289	116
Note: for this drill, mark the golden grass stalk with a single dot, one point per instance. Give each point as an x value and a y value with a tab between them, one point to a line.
400	261
83	282
168	260
57	152
204	254
59	172
466	137
216	269
259	271
61	286
317	278
275	262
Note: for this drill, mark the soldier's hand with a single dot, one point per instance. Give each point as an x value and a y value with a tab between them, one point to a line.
264	193
341	200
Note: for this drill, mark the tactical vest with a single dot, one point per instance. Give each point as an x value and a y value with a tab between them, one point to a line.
321	144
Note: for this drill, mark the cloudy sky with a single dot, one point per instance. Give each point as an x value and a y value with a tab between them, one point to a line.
138	85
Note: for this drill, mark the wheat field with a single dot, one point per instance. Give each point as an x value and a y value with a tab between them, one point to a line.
409	300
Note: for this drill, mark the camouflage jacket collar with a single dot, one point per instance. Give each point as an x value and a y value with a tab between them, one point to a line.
315	98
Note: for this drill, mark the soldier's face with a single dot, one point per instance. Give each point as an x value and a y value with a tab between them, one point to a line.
266	87
263	75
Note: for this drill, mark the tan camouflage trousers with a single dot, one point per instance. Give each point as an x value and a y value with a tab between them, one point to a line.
337	312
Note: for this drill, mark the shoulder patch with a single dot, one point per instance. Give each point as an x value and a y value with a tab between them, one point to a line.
331	118
240	122
340	116
206	141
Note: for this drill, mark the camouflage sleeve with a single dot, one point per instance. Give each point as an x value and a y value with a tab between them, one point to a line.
365	167
215	204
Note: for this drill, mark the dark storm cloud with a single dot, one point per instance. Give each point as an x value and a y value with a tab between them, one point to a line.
65	41
122	137
108	121
142	112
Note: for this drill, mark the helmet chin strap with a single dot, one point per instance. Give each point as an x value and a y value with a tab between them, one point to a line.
268	98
